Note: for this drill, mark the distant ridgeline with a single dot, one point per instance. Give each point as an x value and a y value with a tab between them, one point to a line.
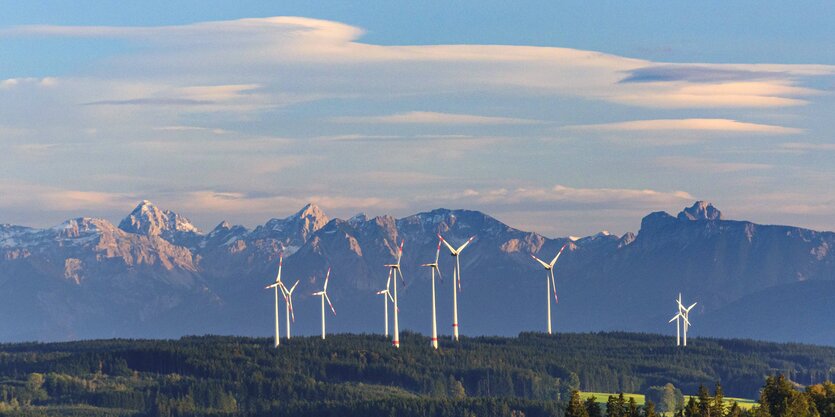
361	375
156	275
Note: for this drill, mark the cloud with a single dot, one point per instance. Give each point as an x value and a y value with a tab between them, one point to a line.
560	196
704	165
425	117
161	101
699	125
255	79
697	73
19	195
215	131
236	204
326	59
808	147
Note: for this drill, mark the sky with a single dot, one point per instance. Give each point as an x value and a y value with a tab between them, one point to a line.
564	118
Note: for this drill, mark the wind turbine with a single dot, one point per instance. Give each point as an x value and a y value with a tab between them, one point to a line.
386	297
682	320
685	312
288	303
456	277
550	268
434	267
324	295
277	285
395	269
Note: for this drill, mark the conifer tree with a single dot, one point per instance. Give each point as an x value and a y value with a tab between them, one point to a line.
576	408
692	408
717	408
592	407
649	409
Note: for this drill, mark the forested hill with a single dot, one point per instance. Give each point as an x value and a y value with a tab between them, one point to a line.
363	374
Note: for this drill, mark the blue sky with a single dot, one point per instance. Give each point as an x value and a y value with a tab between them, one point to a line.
565	118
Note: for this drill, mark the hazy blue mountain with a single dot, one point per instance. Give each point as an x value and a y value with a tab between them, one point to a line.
157	275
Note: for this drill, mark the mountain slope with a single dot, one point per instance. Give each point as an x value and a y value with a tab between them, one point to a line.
157	274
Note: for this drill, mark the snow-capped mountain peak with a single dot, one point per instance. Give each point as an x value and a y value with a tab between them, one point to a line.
147	219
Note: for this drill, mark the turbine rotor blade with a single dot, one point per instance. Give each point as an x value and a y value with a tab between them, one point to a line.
691	306
458	263
541	262
465	244
672	319
554	261
329	302
400	252
280	263
327	276
292	314
554	286
438	252
451	249
388	281
438	270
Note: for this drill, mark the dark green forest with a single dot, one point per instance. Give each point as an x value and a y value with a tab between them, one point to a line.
362	375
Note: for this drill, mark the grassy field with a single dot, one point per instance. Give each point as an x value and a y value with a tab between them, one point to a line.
640	399
601	397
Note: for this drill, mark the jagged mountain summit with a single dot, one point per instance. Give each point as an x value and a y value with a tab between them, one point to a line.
146	219
157	275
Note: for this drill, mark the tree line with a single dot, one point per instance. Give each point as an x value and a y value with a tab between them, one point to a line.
533	374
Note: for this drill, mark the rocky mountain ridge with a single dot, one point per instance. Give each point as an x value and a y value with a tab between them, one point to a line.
157	275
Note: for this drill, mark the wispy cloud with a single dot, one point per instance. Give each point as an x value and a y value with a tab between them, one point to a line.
325	59
564	197
707	166
701	125
27	196
435	118
808	147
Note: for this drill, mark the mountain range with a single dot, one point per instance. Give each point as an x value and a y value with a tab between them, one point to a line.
157	275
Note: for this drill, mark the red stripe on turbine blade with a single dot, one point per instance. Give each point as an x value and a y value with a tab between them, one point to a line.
455	325
434	339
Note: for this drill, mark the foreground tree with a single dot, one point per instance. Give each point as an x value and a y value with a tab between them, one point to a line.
575	407
592	407
780	399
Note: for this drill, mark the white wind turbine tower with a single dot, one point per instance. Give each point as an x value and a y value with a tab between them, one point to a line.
550	282
324	295
288	303
456	277
386	297
395	269
276	286
434	267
